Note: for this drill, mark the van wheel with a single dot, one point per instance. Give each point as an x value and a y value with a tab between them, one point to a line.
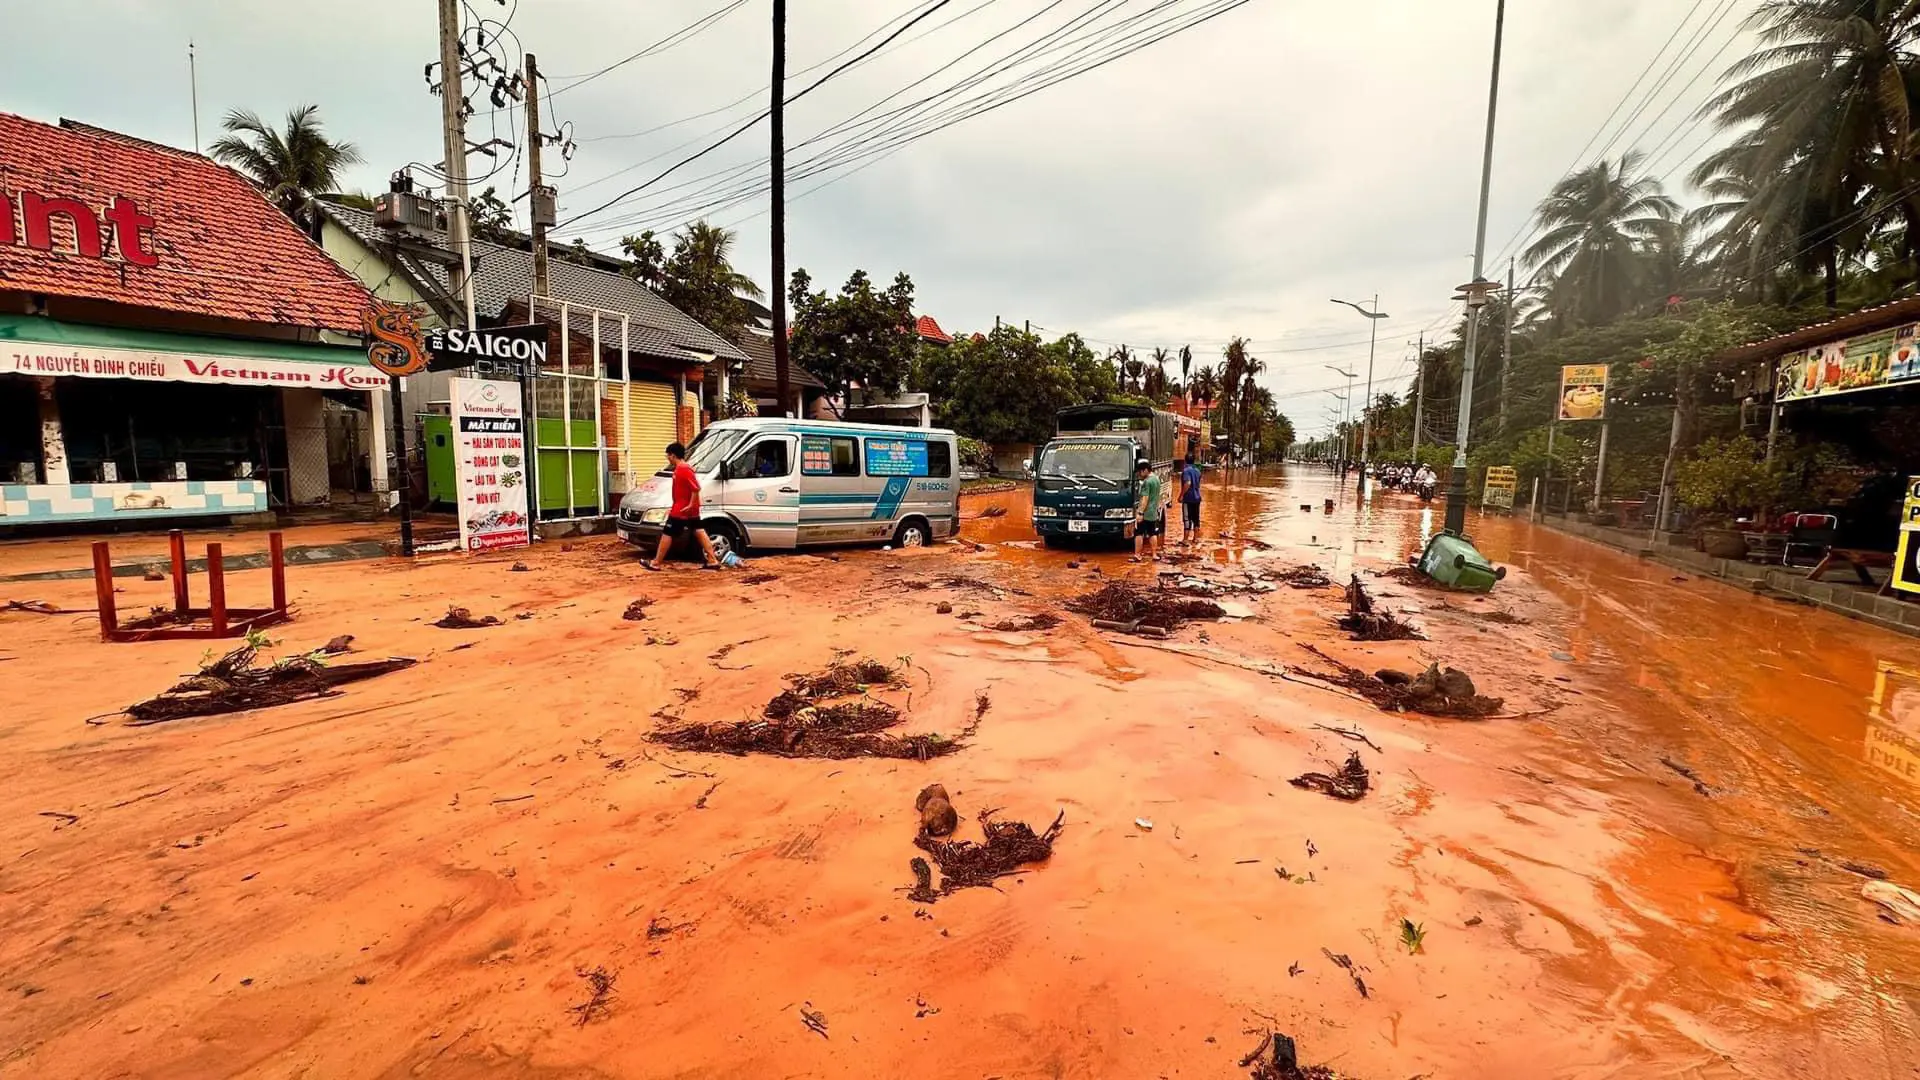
913	533
726	540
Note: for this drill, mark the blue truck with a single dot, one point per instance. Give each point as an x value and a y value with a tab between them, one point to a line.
1085	478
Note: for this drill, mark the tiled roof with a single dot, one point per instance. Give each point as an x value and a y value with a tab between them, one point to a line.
759	350
223	250
930	330
505	274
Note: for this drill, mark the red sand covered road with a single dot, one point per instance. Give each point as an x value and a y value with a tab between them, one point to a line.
409	879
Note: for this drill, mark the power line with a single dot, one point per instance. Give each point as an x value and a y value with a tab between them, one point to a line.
678	37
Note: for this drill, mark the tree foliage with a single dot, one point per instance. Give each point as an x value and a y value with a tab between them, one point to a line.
292	165
860	336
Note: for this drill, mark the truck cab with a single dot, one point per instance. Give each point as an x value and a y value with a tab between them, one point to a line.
1085	484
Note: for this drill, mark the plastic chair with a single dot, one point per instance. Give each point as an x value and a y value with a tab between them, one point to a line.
1814	532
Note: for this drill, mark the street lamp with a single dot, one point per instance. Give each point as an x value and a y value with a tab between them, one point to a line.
1347	419
1366	403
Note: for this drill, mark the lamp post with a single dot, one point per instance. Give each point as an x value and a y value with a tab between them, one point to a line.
1366	403
1346	454
1475	294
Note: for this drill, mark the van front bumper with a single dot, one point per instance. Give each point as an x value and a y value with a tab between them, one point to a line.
639	534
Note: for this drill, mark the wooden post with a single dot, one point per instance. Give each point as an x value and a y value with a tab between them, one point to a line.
277	564
217	590
103	589
177	554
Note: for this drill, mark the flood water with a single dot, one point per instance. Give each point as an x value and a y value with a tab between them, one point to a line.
1737	917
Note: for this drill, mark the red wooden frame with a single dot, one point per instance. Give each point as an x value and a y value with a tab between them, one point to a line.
185	621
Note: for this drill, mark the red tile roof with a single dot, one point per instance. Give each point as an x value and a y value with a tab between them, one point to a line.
930	330
222	249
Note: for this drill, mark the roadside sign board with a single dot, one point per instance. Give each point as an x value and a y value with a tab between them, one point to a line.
393	338
1583	392
1906	560
1498	490
489	461
498	350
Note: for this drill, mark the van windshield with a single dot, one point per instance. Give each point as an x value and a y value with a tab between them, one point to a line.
713	447
1085	464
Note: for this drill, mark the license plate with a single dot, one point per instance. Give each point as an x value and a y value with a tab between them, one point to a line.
1076	526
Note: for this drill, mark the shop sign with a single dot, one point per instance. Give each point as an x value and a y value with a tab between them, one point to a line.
393	338
1906	559
1868	362
35	227
499	350
1583	392
26	358
489	462
1498	491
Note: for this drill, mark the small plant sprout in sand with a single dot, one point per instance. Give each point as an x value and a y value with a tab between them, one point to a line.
1413	935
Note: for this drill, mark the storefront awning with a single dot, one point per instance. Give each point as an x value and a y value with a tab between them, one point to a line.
35	345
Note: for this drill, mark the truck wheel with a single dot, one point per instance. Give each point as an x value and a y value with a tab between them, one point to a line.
912	533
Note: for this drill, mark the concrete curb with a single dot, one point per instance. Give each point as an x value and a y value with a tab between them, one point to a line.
1886	612
253	560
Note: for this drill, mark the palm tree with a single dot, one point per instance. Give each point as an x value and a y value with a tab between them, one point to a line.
1233	370
291	167
1186	363
1204	385
1596	224
701	281
1156	380
1125	365
1826	111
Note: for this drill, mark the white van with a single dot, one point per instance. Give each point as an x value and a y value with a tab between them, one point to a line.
781	483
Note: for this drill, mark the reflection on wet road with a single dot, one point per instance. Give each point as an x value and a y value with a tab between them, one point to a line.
1756	759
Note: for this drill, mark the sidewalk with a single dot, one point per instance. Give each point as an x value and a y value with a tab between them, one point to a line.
71	558
1842	597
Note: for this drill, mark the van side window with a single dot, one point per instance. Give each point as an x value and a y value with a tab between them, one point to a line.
765	459
829	455
939	458
846	456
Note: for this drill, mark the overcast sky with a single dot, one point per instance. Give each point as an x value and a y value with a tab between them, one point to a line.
1228	180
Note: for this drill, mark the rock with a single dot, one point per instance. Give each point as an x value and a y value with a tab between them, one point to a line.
937	817
1454	683
1392	677
943	608
1903	904
153	573
1451	684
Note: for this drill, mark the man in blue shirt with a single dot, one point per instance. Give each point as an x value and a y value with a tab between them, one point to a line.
1189	501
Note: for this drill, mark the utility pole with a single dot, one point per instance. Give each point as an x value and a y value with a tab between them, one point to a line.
534	182
778	294
1475	295
1419	392
1506	349
453	134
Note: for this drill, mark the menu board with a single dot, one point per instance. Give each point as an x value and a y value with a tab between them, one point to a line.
1583	392
896	457
816	455
490	465
1867	362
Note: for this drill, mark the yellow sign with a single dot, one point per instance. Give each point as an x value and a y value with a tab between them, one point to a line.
1501	484
1906	559
1583	392
1894	721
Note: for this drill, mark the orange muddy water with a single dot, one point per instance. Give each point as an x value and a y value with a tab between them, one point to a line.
415	877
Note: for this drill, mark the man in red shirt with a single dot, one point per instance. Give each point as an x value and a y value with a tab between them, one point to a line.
684	516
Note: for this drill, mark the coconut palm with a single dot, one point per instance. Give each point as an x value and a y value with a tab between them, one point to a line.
292	167
1826	108
1156	379
1204	384
1233	371
1595	225
1125	366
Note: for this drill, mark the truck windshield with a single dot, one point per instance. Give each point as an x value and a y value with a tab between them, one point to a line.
1085	464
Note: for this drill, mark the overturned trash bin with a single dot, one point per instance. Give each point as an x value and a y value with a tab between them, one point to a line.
1454	562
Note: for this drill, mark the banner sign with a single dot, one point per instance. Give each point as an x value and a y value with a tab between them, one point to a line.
1583	392
393	338
499	350
1501	484
1906	559
489	461
22	358
1867	362
896	457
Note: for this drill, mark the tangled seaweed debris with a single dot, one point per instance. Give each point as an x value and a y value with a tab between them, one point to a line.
1132	607
1353	970
760	577
841	678
600	983
1349	783
1010	845
233	684
1366	624
798	723
1407	575
1039	620
1276	1058
459	618
1434	692
1309	576
637	610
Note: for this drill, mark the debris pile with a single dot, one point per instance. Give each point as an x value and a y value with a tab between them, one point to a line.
233	684
1349	783
1407	575
963	864
1276	1058
1367	624
459	618
804	721
1436	691
1309	576
637	610
993	512
1123	607
1042	620
759	578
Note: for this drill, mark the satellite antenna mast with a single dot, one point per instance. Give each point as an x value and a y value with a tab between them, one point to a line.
193	89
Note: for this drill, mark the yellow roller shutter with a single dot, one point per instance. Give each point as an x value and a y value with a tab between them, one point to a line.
648	409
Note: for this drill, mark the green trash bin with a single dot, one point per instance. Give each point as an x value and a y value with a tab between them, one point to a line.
1454	562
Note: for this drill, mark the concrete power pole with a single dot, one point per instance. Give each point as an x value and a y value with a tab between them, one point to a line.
1419	392
453	133
1506	349
535	182
778	292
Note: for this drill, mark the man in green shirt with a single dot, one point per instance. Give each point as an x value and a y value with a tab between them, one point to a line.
1151	526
